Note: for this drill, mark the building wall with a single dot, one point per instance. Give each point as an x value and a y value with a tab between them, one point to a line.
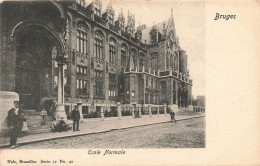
133	80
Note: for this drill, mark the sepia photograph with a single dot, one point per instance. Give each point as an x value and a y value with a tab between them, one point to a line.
102	74
129	82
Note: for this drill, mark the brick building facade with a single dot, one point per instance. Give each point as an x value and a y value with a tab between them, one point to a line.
110	61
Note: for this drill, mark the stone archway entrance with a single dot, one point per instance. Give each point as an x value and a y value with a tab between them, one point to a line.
33	76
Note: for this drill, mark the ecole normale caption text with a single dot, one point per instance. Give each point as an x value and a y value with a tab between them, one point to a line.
61	161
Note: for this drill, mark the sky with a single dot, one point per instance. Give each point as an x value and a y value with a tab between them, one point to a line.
189	23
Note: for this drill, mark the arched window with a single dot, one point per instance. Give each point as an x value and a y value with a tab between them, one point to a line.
154	61
141	60
167	60
82	38
112	51
154	36
175	63
171	61
134	58
123	55
98	46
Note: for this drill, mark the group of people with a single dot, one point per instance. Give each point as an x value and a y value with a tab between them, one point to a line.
61	125
16	123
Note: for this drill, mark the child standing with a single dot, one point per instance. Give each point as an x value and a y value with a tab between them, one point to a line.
24	128
43	115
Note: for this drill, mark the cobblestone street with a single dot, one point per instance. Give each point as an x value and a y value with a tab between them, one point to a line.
183	134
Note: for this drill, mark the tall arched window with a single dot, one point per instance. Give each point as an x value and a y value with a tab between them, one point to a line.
98	46
171	61
123	55
167	60
134	58
112	51
175	63
141	60
82	38
154	37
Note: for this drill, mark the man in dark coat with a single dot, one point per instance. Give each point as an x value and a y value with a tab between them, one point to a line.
75	115
172	116
13	123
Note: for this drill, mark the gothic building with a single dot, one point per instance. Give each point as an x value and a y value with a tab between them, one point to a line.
110	61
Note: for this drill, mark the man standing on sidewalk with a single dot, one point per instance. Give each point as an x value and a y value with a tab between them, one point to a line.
75	115
172	116
13	120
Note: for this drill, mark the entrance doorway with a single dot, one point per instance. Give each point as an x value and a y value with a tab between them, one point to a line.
33	63
28	87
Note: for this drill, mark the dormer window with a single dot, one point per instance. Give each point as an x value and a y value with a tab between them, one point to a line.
122	25
97	11
110	18
97	7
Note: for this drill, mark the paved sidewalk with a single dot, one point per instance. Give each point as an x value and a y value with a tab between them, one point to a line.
92	126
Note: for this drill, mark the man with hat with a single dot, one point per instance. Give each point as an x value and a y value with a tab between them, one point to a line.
13	124
75	115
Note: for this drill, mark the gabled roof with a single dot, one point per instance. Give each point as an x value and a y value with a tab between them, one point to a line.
146	32
163	27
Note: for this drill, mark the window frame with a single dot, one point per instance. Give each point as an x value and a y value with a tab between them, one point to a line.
98	46
82	41
112	51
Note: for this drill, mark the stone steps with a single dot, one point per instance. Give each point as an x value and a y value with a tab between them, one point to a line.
34	121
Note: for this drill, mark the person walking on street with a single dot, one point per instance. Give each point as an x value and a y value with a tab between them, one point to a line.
43	115
75	115
173	116
13	123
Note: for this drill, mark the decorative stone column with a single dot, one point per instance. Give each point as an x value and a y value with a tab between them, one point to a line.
150	110
79	104
119	114
133	112
164	109
60	110
139	111
158	110
102	113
